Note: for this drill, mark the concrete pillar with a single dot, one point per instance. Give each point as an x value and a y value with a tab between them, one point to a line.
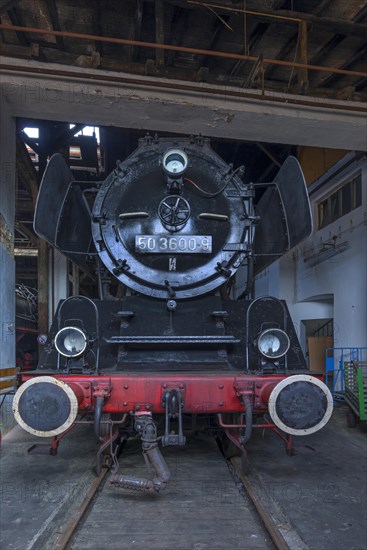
7	263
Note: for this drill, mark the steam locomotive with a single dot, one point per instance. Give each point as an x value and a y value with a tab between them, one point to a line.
165	344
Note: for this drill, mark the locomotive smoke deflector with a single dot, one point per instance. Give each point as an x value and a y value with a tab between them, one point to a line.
62	215
285	215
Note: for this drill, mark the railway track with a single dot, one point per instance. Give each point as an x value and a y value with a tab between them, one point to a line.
280	530
209	504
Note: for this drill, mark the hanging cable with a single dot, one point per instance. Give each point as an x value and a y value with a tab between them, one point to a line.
212	195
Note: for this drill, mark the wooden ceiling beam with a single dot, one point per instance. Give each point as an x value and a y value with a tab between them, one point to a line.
178	29
183	49
323	6
321	55
255	76
24	206
331	44
7	5
303	57
327	48
55	22
159	31
174	72
328	24
13	16
213	40
135	29
361	14
31	142
255	38
288	47
361	53
63	137
258	33
264	175
97	27
361	84
269	154
31	237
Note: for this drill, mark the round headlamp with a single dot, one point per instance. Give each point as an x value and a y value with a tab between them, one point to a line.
175	162
273	343
70	341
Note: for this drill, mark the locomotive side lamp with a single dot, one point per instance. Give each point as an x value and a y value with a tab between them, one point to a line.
175	162
273	343
70	341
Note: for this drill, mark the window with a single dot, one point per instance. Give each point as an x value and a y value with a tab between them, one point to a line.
340	202
346	198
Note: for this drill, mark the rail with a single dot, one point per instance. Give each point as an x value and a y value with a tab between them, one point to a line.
281	533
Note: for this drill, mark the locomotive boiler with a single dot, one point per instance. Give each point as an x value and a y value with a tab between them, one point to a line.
166	347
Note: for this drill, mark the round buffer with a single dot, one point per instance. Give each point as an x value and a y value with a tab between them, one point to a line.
45	406
300	404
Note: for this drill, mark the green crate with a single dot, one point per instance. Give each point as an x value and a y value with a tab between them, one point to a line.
355	378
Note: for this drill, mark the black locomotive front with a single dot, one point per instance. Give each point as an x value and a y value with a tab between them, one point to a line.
172	224
172	221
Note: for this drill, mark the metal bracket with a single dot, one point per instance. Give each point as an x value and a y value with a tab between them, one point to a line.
125	314
236	247
121	266
102	390
223	269
142	408
172	400
219	317
244	389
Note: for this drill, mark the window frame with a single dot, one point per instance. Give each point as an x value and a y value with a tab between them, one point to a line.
325	206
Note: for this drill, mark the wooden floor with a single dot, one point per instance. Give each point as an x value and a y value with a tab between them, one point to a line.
200	509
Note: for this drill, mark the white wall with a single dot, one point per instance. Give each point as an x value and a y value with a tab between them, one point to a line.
58	282
337	286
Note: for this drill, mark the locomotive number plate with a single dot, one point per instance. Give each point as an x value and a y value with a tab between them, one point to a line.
169	244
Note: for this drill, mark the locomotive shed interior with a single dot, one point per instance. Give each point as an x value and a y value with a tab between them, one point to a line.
129	128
